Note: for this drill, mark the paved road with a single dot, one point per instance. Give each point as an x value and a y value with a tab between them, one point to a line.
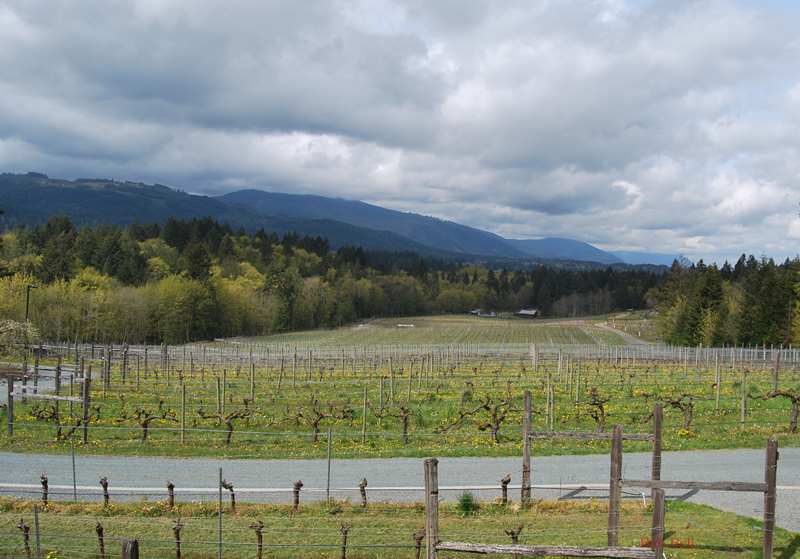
740	465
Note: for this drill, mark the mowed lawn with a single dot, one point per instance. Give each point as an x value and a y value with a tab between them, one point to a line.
453	329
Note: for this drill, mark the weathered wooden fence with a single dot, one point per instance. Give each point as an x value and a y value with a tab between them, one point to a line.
434	544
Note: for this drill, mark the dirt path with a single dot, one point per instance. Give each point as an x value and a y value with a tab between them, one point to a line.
629	339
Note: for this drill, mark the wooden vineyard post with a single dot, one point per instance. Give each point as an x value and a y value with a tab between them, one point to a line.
328	483
410	381
219	397
776	370
183	412
770	477
657	533
743	403
431	506
87	391
252	380
658	420
548	401
10	405
717	386
614	489
525	496
391	382
130	549
364	416
224	390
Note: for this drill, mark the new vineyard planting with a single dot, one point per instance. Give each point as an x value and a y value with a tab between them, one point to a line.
281	400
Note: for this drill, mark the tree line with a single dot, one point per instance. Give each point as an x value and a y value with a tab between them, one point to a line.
752	302
199	279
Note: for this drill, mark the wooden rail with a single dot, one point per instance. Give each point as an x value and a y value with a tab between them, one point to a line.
31	396
751	487
548	550
589	435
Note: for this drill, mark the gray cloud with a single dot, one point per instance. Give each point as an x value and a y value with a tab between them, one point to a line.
669	126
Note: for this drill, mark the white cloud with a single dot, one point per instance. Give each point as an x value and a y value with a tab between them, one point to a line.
663	125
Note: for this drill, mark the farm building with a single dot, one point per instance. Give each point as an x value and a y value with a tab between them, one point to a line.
527	313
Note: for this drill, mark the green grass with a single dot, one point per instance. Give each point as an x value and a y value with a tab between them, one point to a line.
452	329
278	426
382	530
639	324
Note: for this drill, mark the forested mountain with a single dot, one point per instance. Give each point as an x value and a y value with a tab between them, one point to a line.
429	231
32	198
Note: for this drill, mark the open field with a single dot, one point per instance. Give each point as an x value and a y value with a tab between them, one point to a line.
639	324
444	404
453	329
381	530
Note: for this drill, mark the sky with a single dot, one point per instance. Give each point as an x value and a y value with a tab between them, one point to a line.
669	126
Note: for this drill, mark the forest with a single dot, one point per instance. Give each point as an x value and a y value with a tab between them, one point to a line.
200	279
752	302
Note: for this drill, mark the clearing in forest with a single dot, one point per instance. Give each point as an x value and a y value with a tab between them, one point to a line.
453	329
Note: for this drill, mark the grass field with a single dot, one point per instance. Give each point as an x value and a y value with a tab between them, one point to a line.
381	530
453	329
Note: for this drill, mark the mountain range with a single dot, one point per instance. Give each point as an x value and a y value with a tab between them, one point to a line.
31	198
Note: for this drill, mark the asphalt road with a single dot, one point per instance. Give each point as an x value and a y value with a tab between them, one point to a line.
557	471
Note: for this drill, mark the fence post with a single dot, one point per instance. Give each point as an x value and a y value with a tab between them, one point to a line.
364	417
658	420
328	480
657	533
74	477
130	549
183	412
770	477
219	518
87	388
717	386
614	487
525	496
37	535
10	405
431	506
776	370
743	402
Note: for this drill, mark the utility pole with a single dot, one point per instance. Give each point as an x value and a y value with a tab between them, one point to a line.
28	299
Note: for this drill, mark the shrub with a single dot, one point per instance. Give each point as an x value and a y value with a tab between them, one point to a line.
466	504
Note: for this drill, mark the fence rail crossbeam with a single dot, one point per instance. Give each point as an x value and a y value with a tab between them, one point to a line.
548	550
590	435
744	486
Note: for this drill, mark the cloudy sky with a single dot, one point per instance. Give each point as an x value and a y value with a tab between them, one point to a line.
667	126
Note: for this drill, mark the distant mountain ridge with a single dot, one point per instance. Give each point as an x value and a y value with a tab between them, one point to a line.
555	247
426	230
31	198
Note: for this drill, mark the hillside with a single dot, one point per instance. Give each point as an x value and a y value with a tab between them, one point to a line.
33	197
425	230
564	249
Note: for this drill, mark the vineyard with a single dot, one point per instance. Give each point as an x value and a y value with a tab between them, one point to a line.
452	329
286	401
451	387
